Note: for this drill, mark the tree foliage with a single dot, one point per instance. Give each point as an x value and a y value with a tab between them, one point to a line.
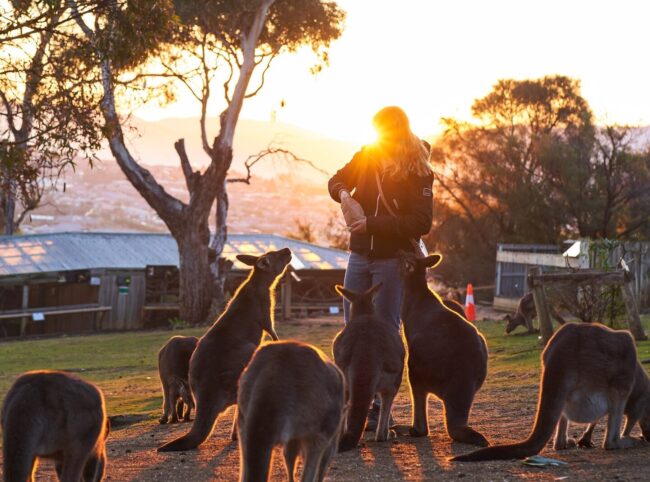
220	51
47	105
533	167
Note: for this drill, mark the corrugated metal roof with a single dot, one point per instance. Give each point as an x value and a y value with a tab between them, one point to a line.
41	253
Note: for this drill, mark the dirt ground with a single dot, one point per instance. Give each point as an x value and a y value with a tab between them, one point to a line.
503	411
132	454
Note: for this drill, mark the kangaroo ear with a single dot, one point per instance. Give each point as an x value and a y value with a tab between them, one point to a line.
374	289
263	263
247	259
272	334
347	294
227	265
431	261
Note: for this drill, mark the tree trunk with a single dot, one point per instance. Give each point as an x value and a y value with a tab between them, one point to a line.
7	216
196	287
2	213
219	267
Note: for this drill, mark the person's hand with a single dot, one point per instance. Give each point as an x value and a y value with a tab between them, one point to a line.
359	226
352	210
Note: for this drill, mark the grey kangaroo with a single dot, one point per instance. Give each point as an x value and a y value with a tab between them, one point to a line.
290	395
588	371
447	354
525	314
54	415
173	368
227	347
370	352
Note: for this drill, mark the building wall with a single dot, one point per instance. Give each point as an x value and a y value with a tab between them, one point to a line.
126	308
48	295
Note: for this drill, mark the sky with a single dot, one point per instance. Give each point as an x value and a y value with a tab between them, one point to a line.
433	58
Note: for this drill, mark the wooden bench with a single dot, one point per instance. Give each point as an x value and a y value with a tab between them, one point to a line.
26	313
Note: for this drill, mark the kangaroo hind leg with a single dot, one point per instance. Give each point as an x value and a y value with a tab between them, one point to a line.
613	439
458	403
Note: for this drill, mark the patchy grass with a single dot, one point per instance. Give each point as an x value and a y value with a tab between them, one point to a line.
124	365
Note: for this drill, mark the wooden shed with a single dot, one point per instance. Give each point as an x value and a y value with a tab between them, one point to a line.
513	261
78	282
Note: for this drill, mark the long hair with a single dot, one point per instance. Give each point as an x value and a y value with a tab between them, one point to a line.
399	150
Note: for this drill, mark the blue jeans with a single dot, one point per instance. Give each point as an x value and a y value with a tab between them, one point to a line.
363	273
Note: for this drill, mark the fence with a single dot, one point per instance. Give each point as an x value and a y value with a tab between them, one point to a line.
515	260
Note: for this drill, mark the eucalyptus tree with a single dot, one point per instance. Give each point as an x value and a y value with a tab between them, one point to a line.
47	115
221	51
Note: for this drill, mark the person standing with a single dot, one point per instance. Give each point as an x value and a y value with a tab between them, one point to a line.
385	193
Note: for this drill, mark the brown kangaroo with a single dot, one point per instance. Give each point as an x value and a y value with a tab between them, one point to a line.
525	313
370	352
173	368
227	347
588	371
54	415
447	354
290	395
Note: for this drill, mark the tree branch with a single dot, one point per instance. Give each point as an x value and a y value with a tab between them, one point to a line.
205	96
188	173
32	24
255	92
466	210
32	81
253	159
249	43
166	206
78	18
10	114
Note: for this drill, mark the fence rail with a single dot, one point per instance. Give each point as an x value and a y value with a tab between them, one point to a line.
515	261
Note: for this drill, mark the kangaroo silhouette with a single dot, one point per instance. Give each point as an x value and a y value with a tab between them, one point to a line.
447	354
54	415
173	369
226	348
588	371
290	395
370	352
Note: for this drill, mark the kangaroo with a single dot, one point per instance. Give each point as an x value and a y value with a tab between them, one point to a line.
227	347
447	354
525	313
588	371
456	306
173	368
54	415
370	353
290	395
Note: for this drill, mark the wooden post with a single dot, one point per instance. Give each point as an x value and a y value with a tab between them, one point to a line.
25	305
633	320
541	305
497	287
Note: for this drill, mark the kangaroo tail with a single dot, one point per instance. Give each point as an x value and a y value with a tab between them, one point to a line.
206	414
361	393
549	410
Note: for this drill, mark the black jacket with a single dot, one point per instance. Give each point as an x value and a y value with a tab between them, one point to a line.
411	200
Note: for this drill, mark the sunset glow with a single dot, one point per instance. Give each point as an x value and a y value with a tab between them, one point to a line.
435	58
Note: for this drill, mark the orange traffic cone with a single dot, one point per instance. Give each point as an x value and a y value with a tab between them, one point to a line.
470	308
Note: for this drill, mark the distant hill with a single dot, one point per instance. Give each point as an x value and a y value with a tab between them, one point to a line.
153	143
